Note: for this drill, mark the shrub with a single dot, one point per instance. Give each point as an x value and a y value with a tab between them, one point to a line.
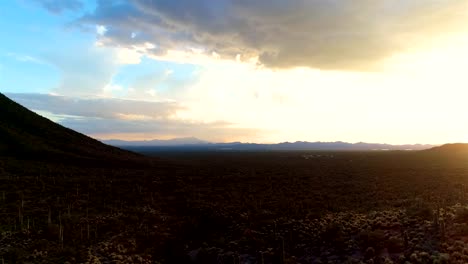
461	230
370	253
394	244
423	212
374	239
461	215
333	234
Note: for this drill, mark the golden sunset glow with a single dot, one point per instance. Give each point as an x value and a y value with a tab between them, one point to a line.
374	71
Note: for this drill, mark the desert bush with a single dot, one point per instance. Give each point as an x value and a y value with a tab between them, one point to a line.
374	239
14	255
423	211
461	229
369	253
394	244
442	259
461	215
333	233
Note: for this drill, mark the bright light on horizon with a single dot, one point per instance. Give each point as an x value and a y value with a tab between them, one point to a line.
398	77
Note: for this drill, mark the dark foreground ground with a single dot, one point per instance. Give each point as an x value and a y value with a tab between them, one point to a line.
279	207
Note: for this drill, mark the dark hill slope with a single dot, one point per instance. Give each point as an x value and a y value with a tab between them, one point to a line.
25	134
451	148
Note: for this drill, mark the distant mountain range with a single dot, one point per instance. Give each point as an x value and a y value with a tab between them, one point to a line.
157	142
192	143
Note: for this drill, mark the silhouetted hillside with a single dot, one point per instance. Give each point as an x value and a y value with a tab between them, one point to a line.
454	148
25	134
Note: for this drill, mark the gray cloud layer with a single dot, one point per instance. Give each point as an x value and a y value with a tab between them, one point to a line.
58	6
327	34
111	116
104	108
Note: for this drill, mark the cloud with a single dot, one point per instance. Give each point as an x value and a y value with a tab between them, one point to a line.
101	30
84	72
162	84
25	58
97	108
106	117
158	129
59	6
339	35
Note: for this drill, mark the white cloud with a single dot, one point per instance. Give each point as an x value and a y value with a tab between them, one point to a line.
90	70
110	89
128	56
85	72
168	72
101	30
151	92
25	58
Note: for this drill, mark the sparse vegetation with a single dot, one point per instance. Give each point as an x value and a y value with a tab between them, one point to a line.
257	207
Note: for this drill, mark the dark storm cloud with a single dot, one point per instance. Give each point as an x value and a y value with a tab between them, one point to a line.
58	6
328	34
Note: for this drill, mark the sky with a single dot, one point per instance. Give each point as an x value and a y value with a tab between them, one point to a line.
387	71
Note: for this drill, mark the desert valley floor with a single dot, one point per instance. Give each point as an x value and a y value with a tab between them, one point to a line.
271	207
